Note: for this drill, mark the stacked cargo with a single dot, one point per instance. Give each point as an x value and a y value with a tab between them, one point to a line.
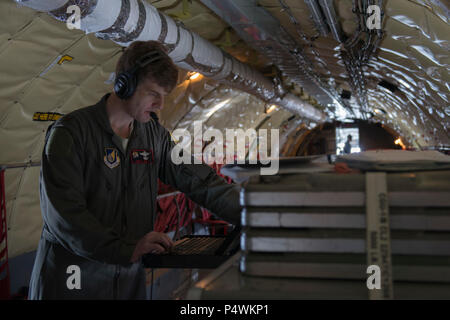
316	226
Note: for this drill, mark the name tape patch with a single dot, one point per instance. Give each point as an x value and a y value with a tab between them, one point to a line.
141	156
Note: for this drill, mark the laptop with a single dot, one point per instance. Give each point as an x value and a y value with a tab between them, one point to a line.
196	252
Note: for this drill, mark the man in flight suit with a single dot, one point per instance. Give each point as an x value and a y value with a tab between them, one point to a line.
98	186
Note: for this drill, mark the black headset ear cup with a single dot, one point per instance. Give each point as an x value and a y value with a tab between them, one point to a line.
125	85
120	85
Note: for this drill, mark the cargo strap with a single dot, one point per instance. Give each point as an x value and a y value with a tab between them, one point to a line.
378	233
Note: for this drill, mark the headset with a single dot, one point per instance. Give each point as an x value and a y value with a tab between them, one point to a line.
126	82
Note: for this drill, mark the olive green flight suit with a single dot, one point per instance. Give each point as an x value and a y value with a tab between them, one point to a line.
98	200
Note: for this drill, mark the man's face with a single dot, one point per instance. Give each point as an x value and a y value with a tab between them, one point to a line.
149	97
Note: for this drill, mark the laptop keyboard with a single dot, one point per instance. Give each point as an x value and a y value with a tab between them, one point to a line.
197	246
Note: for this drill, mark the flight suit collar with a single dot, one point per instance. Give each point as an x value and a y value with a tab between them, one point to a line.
102	117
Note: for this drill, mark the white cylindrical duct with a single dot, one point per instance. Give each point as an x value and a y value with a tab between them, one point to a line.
125	21
97	20
291	103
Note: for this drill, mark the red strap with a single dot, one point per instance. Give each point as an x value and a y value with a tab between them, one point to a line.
3	252
167	212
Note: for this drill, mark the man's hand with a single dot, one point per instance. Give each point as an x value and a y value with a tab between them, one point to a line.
154	242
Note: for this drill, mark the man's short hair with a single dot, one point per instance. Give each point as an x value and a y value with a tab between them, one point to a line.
163	72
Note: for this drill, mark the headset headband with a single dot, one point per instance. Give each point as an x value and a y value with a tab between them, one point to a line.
146	59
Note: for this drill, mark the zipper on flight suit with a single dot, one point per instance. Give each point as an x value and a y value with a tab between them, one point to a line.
124	205
122	226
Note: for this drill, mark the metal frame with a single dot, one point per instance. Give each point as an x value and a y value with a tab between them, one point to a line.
342	199
330	219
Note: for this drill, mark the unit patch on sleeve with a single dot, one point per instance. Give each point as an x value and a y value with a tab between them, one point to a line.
141	156
111	157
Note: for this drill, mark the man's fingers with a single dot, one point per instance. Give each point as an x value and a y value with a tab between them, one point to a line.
161	238
166	241
155	248
152	242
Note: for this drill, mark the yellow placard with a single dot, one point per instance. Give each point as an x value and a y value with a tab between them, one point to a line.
46	116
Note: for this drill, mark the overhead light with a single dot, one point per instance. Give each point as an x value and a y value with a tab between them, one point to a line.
400	143
193	75
271	108
379	111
